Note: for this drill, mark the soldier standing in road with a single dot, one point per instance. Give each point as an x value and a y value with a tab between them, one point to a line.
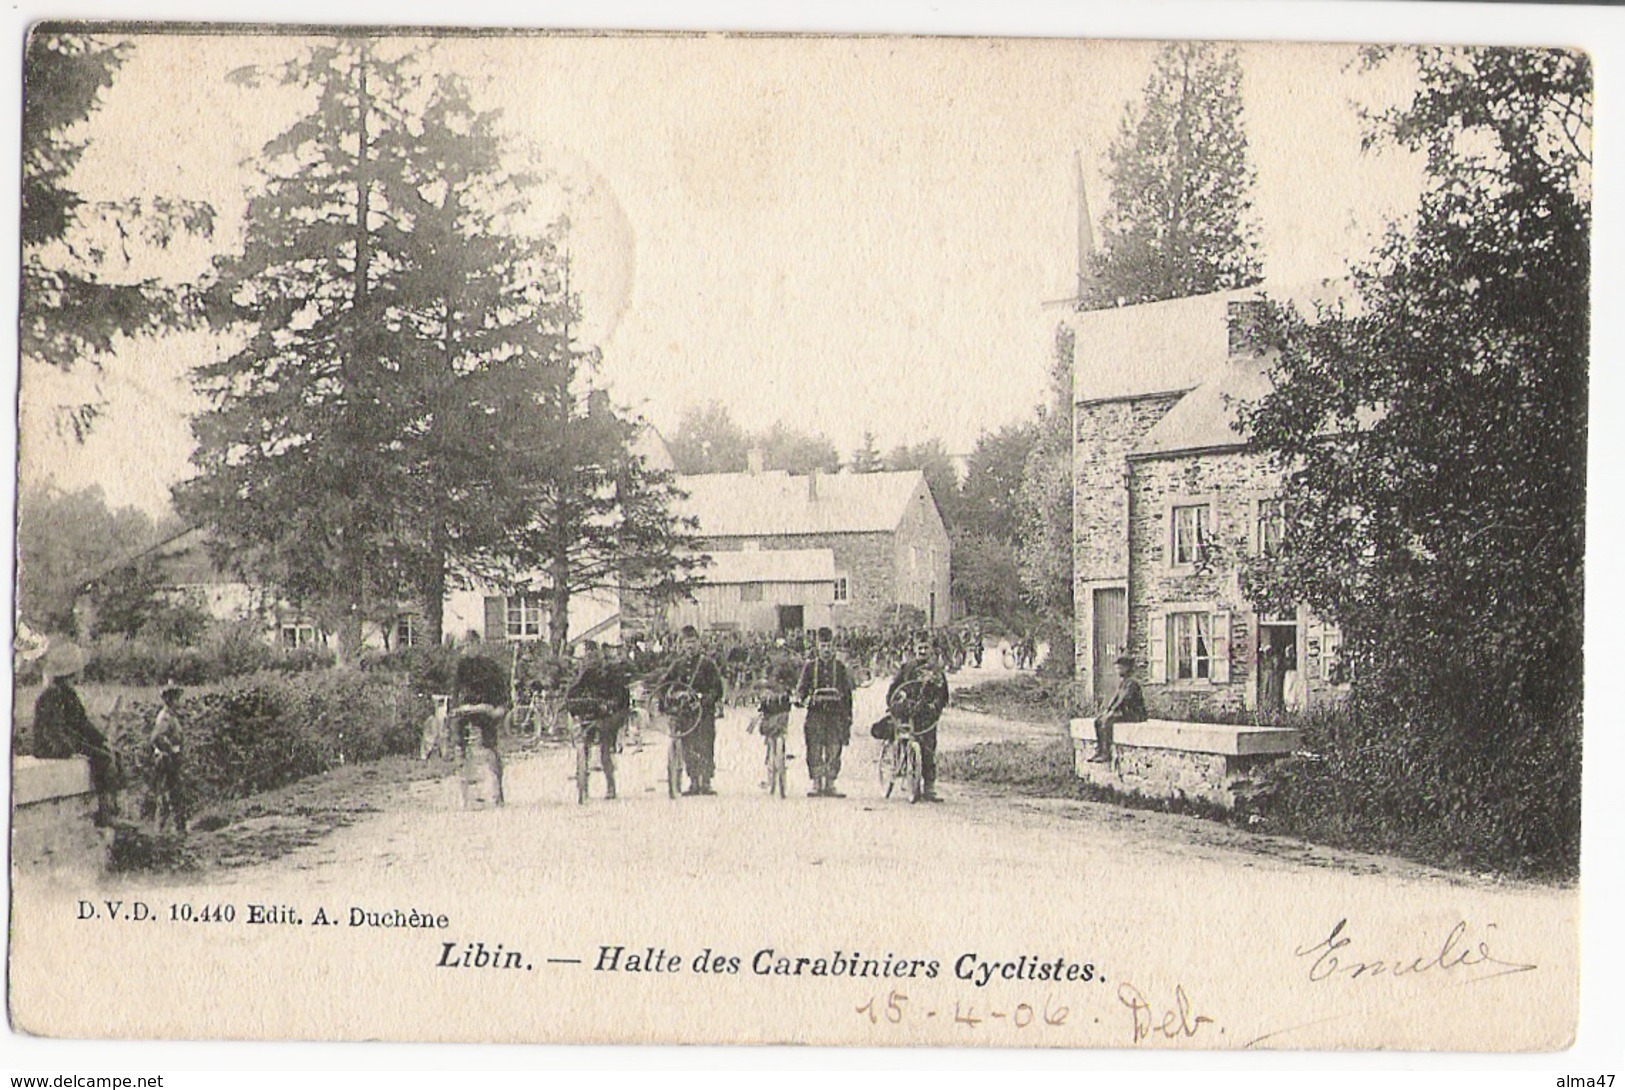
921	704
825	690
695	671
601	698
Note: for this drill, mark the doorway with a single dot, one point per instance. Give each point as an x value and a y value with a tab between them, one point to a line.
1277	667
1110	636
792	618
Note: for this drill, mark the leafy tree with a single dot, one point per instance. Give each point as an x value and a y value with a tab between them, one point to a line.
931	459
709	440
989	495
1178	223
73	304
987	578
1433	436
866	459
1045	503
63	539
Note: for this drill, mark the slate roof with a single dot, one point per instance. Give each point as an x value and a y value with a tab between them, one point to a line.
1152	348
1205	418
774	502
771	566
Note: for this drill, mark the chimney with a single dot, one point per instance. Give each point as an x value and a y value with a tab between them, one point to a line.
812	486
1245	320
753	460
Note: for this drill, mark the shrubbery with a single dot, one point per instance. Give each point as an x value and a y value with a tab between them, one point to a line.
227	651
269	729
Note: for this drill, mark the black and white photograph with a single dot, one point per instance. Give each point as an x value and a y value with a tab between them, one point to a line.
608	538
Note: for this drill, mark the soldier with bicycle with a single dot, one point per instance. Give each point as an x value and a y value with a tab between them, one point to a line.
825	690
693	676
918	694
599	700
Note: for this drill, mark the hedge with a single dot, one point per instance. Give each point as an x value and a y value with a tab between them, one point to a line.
267	730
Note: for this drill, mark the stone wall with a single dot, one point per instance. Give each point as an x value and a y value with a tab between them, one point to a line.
52	827
1103	433
1172	760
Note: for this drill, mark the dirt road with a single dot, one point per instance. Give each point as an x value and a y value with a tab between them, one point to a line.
1192	935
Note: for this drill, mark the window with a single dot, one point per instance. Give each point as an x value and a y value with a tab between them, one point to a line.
750	592
1190	646
1270	529
914	560
842	591
408	630
524	617
296	634
1191	528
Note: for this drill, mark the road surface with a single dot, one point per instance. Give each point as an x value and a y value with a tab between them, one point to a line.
1191	934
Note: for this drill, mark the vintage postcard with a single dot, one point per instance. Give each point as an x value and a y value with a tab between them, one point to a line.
842	540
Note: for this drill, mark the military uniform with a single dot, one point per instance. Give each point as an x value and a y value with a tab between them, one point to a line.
826	690
697	672
923	709
600	696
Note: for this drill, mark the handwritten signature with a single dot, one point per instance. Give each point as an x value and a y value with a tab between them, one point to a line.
1175	1023
1334	958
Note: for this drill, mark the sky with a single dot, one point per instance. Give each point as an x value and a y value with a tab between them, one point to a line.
846	234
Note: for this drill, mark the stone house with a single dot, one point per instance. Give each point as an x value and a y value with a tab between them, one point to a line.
1170	500
837	549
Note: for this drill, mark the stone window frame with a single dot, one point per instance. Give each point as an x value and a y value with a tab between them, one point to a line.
1175	503
1160	650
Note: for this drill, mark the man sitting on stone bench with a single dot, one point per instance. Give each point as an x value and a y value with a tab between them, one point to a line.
1126	705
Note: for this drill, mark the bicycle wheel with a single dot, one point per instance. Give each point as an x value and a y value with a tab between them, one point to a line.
583	765
913	772
775	766
674	767
886	764
1008	658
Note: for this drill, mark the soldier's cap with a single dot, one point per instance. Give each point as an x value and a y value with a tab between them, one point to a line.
1124	660
170	691
63	659
825	636
689	630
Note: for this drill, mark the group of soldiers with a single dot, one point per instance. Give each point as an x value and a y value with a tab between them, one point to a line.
690	689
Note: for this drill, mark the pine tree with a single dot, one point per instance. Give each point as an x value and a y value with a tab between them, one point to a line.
1179	220
866	459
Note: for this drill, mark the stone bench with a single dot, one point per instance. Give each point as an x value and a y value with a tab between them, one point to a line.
53	808
1170	759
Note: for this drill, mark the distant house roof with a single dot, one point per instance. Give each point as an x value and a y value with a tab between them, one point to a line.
775	502
1205	418
771	566
184	557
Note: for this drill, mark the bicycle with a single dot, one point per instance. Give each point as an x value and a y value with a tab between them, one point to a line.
586	720
901	760
775	759
684	710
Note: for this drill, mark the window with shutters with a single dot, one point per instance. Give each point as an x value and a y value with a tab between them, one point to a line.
524	616
1190	645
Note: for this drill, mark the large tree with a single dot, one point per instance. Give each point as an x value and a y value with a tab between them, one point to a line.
392	325
1433	432
1179	220
65	538
1045	506
78	295
709	440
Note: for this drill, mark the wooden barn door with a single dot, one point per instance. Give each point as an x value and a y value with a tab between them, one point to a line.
1110	637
